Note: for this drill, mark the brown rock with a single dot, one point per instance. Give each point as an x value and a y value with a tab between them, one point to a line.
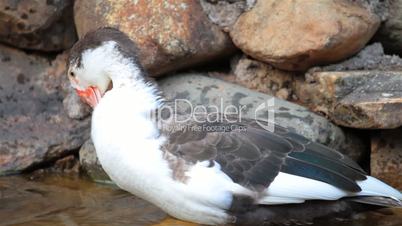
386	156
360	92
260	76
390	32
295	35
358	99
34	126
68	164
170	34
37	25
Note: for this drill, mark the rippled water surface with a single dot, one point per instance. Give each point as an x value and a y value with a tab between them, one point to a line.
71	201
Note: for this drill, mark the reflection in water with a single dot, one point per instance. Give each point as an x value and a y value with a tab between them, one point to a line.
54	200
70	201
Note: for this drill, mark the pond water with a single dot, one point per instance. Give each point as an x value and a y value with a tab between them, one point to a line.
53	200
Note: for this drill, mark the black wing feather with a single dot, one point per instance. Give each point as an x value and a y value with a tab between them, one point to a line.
254	157
309	170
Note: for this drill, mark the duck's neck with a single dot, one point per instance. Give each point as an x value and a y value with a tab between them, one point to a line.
129	76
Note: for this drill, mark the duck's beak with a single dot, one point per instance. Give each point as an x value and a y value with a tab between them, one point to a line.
91	95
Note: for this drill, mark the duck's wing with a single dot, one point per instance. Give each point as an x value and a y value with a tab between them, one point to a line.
254	157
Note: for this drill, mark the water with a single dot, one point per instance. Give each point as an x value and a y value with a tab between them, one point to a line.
56	200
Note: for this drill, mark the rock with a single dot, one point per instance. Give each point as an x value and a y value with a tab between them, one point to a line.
386	156
170	35
75	108
390	32
295	35
34	127
202	90
225	13
199	89
378	7
361	92
66	165
90	163
372	57
260	77
37	25
357	99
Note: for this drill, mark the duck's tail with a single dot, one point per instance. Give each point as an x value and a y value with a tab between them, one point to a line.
376	192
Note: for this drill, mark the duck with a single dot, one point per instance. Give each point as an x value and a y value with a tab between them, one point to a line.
241	174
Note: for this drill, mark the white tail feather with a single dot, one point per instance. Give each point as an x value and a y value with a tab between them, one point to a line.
287	188
374	187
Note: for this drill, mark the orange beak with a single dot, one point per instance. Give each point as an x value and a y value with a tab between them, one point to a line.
91	95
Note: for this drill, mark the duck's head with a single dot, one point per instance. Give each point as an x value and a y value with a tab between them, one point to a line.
100	60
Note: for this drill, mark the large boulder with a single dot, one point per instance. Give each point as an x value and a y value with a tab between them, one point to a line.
362	92
35	127
386	156
295	35
199	89
37	24
169	34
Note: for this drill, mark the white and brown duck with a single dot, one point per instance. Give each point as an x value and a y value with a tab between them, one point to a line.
232	177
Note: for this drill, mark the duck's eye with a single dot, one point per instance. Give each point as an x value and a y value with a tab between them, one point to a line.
72	74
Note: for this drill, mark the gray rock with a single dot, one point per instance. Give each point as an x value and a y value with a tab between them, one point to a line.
76	109
34	127
361	92
203	90
356	99
372	57
379	7
90	163
390	32
37	24
225	12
